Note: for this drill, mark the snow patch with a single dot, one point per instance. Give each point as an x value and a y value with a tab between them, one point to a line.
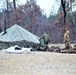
12	50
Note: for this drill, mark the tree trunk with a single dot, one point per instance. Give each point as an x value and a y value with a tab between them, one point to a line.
7	12
14	4
73	21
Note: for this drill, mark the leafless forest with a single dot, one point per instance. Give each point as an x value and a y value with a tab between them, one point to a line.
31	17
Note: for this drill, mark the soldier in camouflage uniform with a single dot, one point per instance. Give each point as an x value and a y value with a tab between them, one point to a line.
44	40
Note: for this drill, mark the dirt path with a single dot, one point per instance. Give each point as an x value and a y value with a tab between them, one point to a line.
37	63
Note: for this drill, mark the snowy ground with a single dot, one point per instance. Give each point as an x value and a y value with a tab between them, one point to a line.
37	63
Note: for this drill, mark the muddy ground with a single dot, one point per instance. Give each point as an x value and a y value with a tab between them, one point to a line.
37	63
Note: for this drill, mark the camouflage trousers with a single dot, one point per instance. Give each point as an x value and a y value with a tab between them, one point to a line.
67	45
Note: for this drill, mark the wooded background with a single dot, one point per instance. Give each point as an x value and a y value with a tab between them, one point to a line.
31	17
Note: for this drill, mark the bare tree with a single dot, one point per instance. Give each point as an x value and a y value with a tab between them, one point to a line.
71	9
14	4
63	3
7	11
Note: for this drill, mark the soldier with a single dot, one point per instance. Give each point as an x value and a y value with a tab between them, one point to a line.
67	39
44	40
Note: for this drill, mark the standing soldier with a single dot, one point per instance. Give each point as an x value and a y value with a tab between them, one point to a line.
67	39
44	40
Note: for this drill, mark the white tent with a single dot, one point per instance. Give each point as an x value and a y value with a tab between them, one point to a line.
17	33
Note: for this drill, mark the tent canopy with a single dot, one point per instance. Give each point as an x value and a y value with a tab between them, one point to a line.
17	33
